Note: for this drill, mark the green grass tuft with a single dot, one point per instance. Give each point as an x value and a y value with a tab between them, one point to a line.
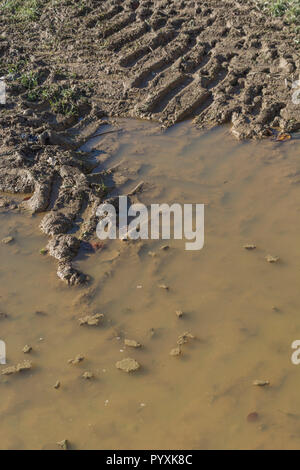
21	10
289	9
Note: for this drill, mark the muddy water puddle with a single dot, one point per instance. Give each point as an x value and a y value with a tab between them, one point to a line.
242	311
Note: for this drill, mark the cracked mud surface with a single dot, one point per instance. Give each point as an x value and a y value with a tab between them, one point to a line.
216	62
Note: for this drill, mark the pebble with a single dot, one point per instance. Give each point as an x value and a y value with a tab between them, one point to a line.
27	349
250	247
57	385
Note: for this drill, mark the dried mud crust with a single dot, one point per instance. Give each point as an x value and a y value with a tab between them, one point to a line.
76	63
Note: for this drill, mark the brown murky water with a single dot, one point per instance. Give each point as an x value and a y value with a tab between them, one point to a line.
243	311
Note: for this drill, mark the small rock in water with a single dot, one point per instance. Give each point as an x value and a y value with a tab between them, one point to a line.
87	375
132	343
3	315
179	313
128	365
252	417
272	259
57	385
175	352
91	320
27	349
79	358
26	365
63	444
7	240
261	383
250	247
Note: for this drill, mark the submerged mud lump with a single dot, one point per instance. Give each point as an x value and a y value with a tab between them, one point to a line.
185	338
63	247
175	351
67	273
64	445
22	366
91	320
87	375
128	365
179	313
261	383
79	358
7	240
272	259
